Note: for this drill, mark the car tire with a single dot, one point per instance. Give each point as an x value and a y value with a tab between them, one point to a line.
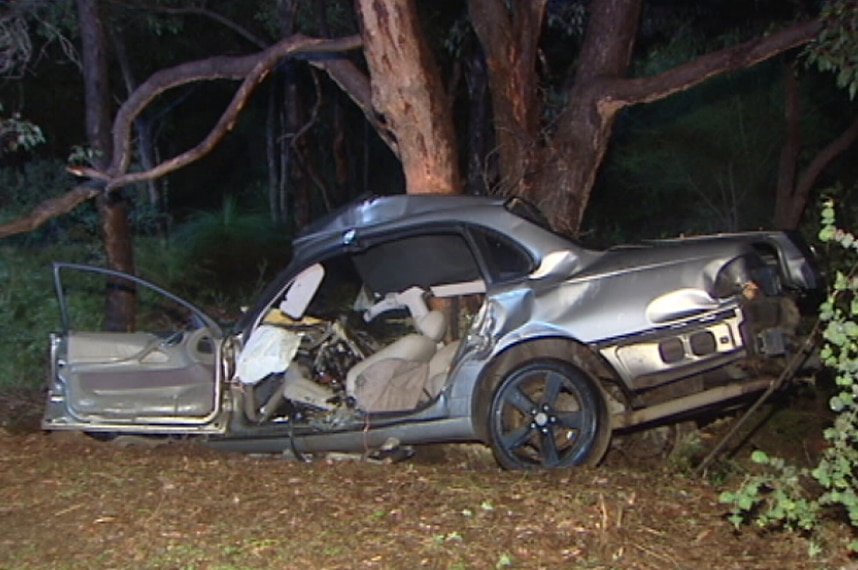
548	413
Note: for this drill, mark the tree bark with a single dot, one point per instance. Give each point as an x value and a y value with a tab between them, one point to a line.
578	147
482	162
120	297
509	34
408	93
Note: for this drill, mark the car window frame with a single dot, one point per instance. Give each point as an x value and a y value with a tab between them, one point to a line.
59	266
478	235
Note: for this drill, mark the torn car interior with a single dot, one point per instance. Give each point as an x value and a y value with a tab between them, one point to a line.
441	319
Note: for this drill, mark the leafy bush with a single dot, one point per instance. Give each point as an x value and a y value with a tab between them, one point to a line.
789	497
835	48
233	250
30	183
28	308
218	259
17	134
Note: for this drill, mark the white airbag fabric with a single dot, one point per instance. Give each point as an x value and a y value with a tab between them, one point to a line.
268	351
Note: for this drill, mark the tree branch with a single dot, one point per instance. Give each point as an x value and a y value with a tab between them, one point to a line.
47	210
251	68
822	159
355	84
631	91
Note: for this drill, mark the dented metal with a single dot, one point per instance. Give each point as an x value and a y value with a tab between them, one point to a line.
658	329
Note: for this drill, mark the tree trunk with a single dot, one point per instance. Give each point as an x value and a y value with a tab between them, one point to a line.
509	34
120	298
340	148
788	165
343	165
272	153
795	184
288	176
578	147
145	126
482	162
408	93
557	168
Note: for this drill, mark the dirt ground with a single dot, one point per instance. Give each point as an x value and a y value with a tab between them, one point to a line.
68	501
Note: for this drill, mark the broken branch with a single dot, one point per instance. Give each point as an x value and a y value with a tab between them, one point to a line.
47	210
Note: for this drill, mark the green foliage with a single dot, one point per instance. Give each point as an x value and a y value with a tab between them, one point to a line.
338	17
836	47
702	161
16	133
568	17
81	155
773	500
28	308
26	186
233	250
780	496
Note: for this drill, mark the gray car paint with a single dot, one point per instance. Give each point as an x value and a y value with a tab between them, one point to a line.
596	299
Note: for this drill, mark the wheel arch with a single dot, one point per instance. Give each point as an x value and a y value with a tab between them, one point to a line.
553	347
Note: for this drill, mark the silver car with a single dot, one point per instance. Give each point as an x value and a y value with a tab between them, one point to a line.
421	319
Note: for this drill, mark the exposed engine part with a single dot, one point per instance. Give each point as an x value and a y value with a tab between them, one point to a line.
312	389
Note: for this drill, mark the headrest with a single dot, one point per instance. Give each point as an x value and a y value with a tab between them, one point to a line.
433	324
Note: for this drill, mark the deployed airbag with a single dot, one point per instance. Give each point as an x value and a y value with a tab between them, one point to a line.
269	350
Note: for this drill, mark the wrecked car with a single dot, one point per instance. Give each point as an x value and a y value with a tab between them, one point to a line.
441	319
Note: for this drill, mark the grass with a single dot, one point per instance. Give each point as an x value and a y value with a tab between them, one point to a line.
219	261
29	309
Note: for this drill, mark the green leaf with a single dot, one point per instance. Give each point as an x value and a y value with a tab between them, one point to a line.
726	497
836	404
505	561
759	456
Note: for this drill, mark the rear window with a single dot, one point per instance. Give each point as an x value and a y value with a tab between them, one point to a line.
505	259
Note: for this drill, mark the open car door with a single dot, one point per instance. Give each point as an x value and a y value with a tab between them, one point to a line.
164	377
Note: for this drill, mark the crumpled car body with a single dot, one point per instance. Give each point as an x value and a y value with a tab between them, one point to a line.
439	319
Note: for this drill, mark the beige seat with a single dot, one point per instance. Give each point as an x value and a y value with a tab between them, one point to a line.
396	377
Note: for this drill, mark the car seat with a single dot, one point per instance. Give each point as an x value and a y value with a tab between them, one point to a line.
396	377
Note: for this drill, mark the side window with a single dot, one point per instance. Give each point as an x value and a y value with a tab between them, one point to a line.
82	292
505	259
420	260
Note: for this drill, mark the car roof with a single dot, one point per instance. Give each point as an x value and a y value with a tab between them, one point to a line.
374	211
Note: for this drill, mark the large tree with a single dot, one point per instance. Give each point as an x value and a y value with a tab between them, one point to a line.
559	165
408	94
120	310
552	159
